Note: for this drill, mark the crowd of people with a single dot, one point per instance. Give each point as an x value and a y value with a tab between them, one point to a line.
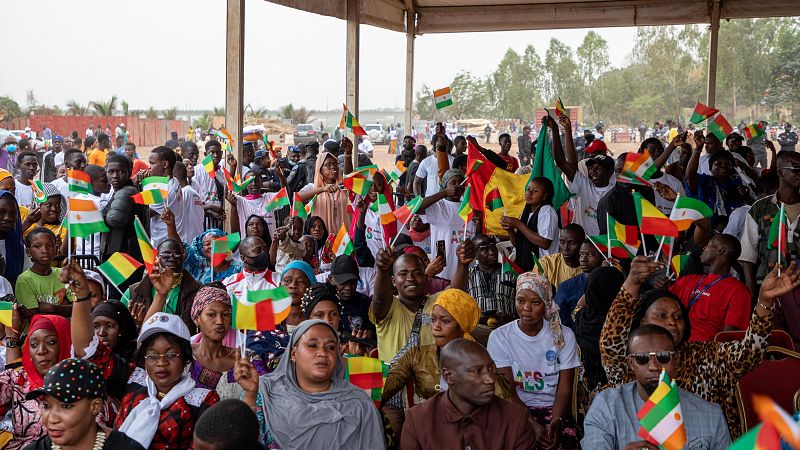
530	338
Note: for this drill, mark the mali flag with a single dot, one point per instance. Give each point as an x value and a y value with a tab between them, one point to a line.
6	313
465	210
679	263
261	310
368	374
119	267
651	220
208	165
753	130
357	184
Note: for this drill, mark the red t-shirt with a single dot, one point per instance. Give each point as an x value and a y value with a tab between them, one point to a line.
138	165
513	163
725	302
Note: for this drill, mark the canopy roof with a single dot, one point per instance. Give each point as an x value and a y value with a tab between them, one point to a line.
458	16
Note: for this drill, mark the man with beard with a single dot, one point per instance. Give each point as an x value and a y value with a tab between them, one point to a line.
612	423
467	414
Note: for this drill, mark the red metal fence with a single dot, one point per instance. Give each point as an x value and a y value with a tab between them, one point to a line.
143	132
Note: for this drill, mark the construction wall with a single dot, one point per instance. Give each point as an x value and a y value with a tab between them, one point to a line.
143	132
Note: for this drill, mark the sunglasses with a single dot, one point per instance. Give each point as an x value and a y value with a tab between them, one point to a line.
795	169
644	358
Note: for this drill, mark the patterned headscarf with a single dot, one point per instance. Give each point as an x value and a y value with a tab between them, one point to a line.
450	174
541	287
207	295
462	307
50	190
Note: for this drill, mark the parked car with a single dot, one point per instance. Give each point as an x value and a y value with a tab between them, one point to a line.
305	133
376	133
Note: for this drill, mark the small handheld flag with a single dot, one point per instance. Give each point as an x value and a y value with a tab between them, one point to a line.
261	310
208	165
510	267
753	130
149	197
342	244
298	208
442	97
349	121
661	418
701	112
369	374
405	212
156	183
771	414
119	267
84	219
148	252
465	209
679	263
79	182
6	313
222	247
38	191
686	210
720	127
494	200
357	184
384	209
560	109
398	171
280	200
651	220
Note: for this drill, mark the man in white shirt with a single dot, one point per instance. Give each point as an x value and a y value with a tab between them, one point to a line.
193	214
73	159
28	166
254	276
211	189
429	171
162	163
89	131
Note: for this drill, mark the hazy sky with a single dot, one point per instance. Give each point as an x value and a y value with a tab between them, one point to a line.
169	53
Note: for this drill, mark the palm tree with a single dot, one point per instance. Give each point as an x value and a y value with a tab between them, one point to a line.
302	115
75	109
125	108
102	108
151	113
219	111
286	112
205	121
170	114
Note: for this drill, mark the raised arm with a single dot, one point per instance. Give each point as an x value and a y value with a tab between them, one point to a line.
676	142
382	297
466	255
569	142
451	191
619	321
234	216
568	164
694	161
82	330
347	147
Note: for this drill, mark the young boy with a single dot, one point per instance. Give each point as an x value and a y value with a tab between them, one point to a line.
287	238
38	289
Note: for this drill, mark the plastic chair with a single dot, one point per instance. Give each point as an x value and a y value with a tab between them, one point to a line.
778	338
775	378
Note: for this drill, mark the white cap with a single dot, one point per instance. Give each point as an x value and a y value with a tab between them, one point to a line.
91	275
163	323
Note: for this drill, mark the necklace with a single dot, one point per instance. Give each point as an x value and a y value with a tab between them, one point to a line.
99	442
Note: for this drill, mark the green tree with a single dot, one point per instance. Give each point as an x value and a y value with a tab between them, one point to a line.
470	96
592	63
515	86
126	110
170	114
562	73
105	108
205	121
151	113
9	108
76	109
783	93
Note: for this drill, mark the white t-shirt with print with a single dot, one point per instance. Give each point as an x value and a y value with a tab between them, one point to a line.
429	169
447	226
534	360
247	208
590	195
373	231
193	215
547	226
158	229
24	194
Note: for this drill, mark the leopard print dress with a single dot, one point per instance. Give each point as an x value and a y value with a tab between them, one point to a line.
708	369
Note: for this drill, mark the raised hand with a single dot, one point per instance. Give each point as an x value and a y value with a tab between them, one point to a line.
641	268
384	259
162	278
246	374
435	267
775	286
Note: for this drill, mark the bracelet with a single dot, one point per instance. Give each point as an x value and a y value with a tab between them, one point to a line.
774	305
12	342
83	299
554	419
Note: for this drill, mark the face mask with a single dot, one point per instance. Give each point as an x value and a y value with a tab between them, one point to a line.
259	262
11	148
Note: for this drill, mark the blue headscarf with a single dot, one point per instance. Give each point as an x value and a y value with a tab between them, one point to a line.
303	266
15	250
195	262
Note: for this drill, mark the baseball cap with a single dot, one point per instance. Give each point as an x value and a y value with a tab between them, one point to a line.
163	323
331	146
720	154
596	147
91	275
294	149
71	380
606	161
260	154
344	269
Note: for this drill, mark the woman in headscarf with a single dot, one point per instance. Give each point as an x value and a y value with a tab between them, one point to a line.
115	327
270	345
48	342
376	234
11	235
198	259
708	369
330	202
602	287
214	348
306	403
163	402
51	214
455	315
539	356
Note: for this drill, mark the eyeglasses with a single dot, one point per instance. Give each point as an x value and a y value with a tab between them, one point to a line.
795	169
169	357
644	358
330	166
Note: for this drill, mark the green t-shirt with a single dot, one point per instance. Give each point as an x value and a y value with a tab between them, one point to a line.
32	289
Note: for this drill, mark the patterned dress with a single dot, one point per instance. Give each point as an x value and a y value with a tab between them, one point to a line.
708	369
176	423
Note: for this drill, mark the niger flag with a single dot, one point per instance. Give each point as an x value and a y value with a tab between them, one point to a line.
488	177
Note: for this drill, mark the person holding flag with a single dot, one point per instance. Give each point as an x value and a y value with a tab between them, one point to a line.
722	188
612	420
209	181
331	203
536	231
252	201
441	212
162	163
372	218
119	212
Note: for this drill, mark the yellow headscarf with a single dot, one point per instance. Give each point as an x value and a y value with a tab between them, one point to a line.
462	307
4	174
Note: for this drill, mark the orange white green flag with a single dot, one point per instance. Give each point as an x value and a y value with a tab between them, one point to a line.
638	167
261	310
442	97
342	244
38	191
79	182
398	171
771	414
686	210
661	418
84	219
